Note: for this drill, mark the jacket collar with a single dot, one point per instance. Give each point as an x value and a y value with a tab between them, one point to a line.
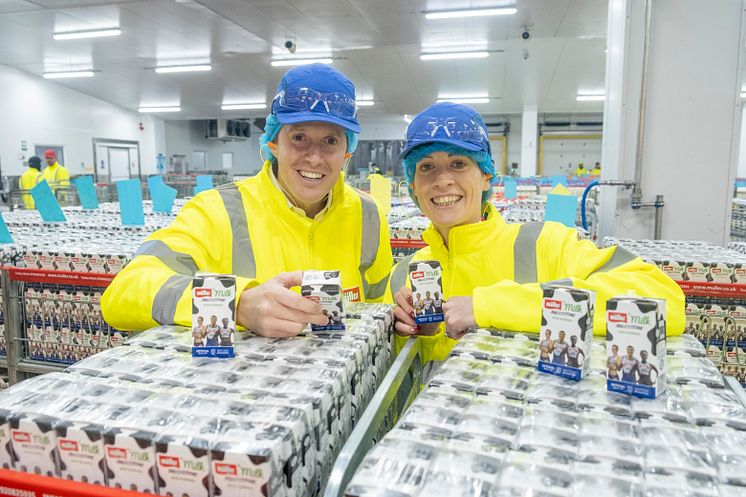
278	199
467	238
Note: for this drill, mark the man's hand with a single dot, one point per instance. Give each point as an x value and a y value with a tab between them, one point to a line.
459	316
273	310
404	314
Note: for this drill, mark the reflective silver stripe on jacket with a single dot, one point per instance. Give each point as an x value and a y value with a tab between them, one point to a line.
620	257
524	253
178	262
168	296
369	246
399	276
243	253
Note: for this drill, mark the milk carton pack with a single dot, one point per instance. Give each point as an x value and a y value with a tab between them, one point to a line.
213	315
243	466
34	444
183	465
325	287
6	445
130	459
427	291
81	450
636	346
566	331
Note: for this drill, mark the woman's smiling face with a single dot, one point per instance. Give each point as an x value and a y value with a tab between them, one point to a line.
449	189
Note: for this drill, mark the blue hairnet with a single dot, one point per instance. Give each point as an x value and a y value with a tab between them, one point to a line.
483	160
272	128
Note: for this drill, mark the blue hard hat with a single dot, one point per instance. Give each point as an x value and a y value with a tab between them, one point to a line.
446	122
316	92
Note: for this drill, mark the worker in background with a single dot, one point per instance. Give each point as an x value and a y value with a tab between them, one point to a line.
374	169
29	179
492	270
580	171
596	171
297	213
55	173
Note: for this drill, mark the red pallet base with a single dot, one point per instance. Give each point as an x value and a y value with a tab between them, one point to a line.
406	243
720	290
15	484
59	277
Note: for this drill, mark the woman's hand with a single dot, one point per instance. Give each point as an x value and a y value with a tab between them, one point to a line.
459	316
404	315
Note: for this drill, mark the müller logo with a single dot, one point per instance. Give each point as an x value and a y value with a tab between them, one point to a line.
555	305
203	292
617	317
68	445
168	461
225	469
417	275
21	436
116	453
352	294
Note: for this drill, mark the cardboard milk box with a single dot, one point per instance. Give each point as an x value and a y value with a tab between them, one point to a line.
636	346
566	331
325	287
213	315
34	444
183	465
81	450
427	291
130	459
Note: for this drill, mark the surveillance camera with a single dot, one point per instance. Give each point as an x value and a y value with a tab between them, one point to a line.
526	35
290	45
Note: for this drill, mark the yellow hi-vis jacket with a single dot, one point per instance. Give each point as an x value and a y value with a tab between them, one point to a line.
27	181
248	229
56	175
502	265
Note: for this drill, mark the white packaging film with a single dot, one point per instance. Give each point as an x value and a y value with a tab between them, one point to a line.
566	331
427	291
134	417
636	346
325	288
213	315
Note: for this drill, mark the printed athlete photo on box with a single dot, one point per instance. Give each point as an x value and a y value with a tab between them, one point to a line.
213	315
636	346
427	291
566	331
325	287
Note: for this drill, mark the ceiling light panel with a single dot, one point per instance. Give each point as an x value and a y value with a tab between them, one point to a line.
453	14
453	55
258	105
190	68
68	74
91	33
299	62
173	108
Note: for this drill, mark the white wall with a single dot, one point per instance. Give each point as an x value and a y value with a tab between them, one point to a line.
38	111
186	137
382	128
692	121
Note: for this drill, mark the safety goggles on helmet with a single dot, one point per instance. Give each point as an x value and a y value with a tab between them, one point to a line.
450	127
448	123
309	100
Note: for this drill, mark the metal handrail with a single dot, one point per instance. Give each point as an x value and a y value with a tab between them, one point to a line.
406	372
